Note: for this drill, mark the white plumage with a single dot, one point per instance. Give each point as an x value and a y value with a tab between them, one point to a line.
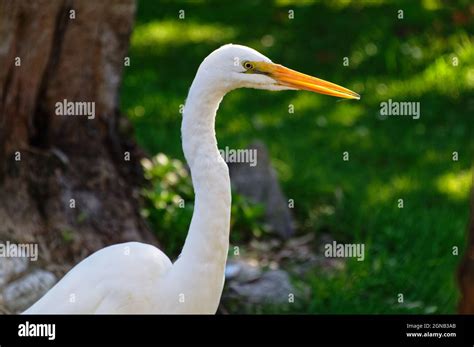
139	278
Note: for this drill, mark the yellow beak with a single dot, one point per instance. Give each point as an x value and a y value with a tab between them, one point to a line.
298	80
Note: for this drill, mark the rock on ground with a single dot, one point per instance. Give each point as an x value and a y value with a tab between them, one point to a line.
260	184
273	287
22	293
241	271
10	268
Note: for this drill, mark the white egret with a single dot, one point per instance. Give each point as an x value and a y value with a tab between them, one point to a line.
139	278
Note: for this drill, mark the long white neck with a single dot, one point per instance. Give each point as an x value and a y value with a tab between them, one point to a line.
204	254
208	237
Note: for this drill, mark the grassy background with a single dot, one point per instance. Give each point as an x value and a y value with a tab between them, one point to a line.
408	250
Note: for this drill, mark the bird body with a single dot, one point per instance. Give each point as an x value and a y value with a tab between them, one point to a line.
117	279
139	278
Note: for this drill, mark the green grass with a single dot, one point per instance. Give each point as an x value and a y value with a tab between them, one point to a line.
408	250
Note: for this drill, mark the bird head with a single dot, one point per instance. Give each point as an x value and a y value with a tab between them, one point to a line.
235	66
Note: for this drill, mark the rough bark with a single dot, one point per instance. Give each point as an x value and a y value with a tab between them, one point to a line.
66	157
466	268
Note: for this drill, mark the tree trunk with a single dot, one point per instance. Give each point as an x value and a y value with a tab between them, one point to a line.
466	269
66	181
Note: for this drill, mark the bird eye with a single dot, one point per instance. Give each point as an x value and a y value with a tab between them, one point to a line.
248	65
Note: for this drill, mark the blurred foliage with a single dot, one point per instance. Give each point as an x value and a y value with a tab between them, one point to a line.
169	205
169	200
409	250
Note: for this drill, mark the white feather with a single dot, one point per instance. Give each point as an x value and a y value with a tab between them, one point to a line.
139	278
